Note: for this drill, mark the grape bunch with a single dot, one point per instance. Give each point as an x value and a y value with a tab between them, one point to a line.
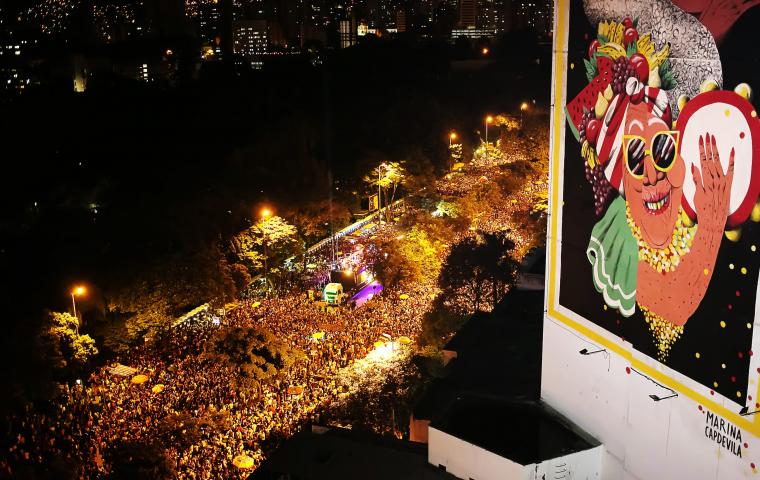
600	185
622	70
587	116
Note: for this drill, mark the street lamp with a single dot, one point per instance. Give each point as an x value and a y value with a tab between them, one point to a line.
379	192
265	214
523	108
452	137
485	50
77	291
489	119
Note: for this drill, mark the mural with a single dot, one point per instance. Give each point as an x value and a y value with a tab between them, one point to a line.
660	188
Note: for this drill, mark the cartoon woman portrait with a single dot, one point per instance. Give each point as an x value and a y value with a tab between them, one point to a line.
665	191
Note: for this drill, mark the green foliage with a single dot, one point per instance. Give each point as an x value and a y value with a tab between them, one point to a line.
476	267
413	257
591	68
63	349
444	209
272	238
387	177
252	354
631	49
437	326
541	203
150	302
312	219
666	76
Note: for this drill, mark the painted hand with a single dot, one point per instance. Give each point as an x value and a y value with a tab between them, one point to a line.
713	186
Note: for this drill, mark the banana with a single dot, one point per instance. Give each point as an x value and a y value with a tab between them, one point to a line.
608	93
604	29
645	47
618	34
660	57
592	159
654	78
682	102
612	50
600	108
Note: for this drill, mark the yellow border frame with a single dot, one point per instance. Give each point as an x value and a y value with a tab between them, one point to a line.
750	424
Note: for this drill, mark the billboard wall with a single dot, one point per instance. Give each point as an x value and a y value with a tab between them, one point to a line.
654	240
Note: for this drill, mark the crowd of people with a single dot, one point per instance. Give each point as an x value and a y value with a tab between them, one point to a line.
106	409
89	419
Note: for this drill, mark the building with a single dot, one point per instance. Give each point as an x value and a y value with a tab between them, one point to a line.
161	18
347	31
401	20
335	453
667	381
535	14
468	14
473	33
250	40
494	439
495	14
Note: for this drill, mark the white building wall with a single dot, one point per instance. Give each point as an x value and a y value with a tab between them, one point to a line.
465	460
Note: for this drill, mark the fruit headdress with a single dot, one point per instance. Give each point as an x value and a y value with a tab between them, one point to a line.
622	67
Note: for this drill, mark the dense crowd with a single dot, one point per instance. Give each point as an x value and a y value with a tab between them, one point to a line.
107	409
90	418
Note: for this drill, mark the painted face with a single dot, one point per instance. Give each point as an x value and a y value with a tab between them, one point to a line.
653	175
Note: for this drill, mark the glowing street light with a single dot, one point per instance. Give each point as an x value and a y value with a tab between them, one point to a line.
523	108
452	137
77	291
485	51
489	119
265	214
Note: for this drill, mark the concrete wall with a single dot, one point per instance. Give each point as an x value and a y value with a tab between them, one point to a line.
698	434
465	460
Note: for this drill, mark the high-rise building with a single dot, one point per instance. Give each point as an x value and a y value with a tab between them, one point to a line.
401	20
495	14
347	30
161	17
468	13
535	14
214	28
250	40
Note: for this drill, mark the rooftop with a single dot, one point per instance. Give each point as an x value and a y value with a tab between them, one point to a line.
334	453
524	432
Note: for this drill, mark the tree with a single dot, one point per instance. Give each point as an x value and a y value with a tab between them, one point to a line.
476	267
268	242
148	303
387	177
252	354
312	219
437	325
144	459
412	257
62	347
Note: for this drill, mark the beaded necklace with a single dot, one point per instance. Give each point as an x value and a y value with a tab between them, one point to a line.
663	260
666	259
